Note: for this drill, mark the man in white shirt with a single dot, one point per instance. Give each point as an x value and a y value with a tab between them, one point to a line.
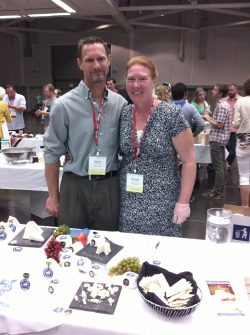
17	105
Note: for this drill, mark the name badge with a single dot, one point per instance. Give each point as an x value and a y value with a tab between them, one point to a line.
12	113
134	183
97	165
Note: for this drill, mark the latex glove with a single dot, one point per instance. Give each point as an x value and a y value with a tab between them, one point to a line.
181	212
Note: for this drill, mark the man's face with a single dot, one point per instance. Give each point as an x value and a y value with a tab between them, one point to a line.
232	92
111	85
216	94
47	93
94	64
10	92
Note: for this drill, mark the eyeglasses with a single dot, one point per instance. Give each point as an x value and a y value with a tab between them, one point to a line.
166	84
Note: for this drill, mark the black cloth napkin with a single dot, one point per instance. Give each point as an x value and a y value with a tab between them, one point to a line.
148	270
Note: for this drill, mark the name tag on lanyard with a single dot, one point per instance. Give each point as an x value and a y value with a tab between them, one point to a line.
134	183
97	165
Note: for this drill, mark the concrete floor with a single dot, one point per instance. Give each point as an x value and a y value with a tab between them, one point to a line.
16	203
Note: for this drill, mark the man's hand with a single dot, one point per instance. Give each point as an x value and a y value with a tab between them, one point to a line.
52	206
206	116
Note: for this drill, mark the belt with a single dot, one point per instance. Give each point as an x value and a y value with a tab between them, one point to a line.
95	177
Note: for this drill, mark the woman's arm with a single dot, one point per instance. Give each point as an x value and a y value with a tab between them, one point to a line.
184	146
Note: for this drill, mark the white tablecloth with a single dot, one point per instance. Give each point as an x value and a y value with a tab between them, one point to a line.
33	311
23	176
30	143
202	153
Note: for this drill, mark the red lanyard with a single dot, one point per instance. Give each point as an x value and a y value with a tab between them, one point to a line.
97	124
137	150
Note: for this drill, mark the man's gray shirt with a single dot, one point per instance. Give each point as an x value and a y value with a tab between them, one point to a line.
191	113
71	129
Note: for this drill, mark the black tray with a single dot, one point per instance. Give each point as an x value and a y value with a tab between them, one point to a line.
90	252
47	232
102	307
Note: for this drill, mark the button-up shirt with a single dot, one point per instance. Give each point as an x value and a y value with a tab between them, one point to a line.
231	103
71	129
222	113
18	121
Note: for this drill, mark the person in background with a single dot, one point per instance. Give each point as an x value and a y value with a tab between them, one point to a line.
154	199
218	139
57	92
163	93
199	100
179	94
48	91
84	122
38	100
231	99
4	115
242	123
17	105
111	84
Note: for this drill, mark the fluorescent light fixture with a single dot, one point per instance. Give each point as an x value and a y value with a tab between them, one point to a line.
3	17
103	26
49	14
64	6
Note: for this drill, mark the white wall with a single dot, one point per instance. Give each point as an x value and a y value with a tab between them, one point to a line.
227	57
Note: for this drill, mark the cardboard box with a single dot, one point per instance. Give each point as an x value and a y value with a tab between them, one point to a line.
202	138
240	224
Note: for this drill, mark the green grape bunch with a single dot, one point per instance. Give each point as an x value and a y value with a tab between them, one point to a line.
61	230
131	264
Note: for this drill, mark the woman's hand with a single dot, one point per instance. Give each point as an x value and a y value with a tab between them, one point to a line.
181	213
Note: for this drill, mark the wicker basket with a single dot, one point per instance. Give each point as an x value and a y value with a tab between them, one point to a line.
173	312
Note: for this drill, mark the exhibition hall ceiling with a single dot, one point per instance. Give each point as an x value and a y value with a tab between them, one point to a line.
91	16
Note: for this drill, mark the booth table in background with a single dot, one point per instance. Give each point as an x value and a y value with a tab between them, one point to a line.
29	177
37	311
27	142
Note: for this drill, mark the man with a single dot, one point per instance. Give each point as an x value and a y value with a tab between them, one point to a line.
218	139
111	84
232	98
17	105
179	94
58	92
191	114
48	91
84	123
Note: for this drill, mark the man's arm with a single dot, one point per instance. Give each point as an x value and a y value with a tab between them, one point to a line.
216	124
17	108
200	123
52	178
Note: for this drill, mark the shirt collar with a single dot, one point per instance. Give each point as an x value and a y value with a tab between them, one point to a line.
87	92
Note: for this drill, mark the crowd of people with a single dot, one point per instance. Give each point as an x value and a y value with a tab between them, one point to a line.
145	192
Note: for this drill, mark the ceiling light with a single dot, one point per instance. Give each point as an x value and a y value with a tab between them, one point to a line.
64	6
103	26
49	14
9	17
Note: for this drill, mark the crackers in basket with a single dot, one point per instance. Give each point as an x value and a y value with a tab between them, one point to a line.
174	296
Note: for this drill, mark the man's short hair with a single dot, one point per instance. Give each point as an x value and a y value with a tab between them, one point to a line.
90	40
223	88
178	91
10	86
50	87
111	78
234	86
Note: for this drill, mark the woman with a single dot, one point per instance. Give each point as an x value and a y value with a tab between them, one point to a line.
163	93
4	116
199	100
153	198
242	122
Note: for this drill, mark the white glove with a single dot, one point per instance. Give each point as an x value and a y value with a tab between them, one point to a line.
181	212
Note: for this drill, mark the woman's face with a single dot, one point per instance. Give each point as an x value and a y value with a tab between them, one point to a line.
167	94
201	96
139	83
